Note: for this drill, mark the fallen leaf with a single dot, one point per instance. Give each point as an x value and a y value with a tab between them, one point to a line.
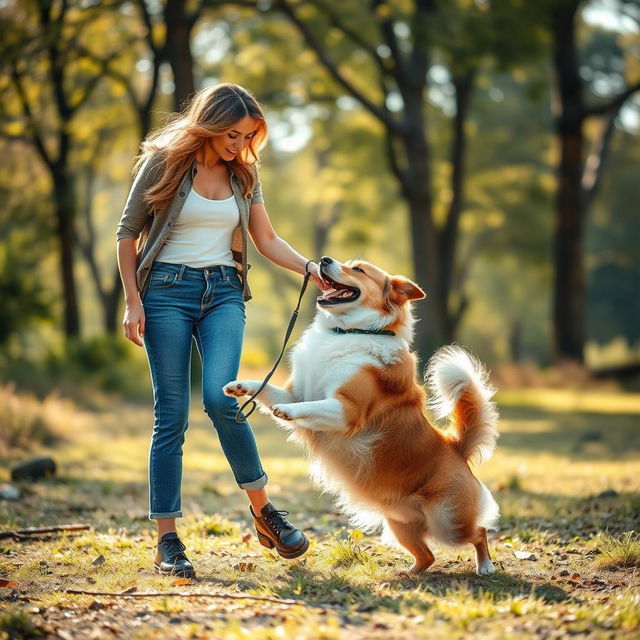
246	537
129	590
181	581
100	560
525	555
7	583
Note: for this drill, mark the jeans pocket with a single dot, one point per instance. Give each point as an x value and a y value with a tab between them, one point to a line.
234	280
162	280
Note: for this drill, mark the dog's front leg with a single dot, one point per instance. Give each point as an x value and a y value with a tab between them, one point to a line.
318	415
268	397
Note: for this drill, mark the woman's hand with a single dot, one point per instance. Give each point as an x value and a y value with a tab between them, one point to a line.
133	322
316	278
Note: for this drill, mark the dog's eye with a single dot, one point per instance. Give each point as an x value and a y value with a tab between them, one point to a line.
359	269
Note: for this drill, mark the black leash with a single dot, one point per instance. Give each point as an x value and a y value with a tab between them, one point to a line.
240	417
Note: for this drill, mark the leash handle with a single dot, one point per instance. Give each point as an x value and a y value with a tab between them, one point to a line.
240	416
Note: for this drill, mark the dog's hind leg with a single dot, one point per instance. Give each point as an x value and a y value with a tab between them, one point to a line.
484	566
411	535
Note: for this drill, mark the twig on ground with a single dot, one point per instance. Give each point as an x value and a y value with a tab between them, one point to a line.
179	594
31	532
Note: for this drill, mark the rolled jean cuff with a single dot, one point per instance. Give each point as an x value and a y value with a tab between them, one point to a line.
161	516
256	484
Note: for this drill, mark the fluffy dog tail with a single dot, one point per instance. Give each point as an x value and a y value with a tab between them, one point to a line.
460	390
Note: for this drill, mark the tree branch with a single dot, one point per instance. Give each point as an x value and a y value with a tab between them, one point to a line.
354	36
105	70
380	113
388	35
594	166
419	58
614	104
177	594
55	61
392	156
36	135
146	18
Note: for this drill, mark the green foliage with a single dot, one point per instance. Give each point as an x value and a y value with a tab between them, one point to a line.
23	290
613	236
326	176
25	421
105	361
17	624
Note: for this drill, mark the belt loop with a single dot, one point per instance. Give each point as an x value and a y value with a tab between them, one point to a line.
181	273
223	270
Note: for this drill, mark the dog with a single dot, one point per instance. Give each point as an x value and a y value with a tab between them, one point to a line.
353	401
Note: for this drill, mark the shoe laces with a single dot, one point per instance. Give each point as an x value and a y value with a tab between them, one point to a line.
174	549
276	521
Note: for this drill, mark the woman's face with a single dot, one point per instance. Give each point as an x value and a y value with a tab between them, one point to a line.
227	145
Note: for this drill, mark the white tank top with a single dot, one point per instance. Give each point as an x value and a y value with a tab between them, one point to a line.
201	234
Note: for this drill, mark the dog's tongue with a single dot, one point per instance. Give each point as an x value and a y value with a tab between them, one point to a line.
331	294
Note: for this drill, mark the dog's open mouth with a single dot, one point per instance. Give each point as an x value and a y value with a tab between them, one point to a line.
339	294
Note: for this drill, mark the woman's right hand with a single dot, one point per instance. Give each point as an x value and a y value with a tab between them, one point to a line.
133	322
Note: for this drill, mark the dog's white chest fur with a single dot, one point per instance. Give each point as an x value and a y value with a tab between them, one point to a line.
323	361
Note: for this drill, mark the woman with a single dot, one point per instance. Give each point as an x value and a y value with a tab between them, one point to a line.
182	255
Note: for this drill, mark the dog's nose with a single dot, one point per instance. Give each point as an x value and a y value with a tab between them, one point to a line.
325	261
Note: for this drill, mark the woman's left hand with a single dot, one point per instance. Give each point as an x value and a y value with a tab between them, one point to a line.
316	278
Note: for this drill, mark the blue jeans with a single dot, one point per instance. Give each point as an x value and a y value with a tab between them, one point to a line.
182	303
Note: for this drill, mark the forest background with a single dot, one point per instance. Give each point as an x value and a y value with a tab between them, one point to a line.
486	149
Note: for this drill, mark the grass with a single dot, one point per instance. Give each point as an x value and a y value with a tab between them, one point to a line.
617	553
565	476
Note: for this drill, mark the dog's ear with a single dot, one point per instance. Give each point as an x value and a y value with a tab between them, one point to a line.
403	290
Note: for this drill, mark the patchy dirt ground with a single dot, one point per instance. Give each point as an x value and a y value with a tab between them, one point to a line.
565	475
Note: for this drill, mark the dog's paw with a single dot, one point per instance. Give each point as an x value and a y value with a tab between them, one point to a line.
282	412
236	388
485	568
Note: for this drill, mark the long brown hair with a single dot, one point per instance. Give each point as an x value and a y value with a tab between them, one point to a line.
210	112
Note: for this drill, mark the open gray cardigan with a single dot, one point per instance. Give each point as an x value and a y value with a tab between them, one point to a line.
137	216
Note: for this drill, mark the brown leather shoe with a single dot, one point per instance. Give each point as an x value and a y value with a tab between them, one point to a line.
274	530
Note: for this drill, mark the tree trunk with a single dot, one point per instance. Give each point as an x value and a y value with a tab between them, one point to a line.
450	232
569	281
177	50
416	188
64	211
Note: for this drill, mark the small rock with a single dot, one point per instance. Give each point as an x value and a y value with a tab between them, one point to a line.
9	492
100	560
609	493
35	468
